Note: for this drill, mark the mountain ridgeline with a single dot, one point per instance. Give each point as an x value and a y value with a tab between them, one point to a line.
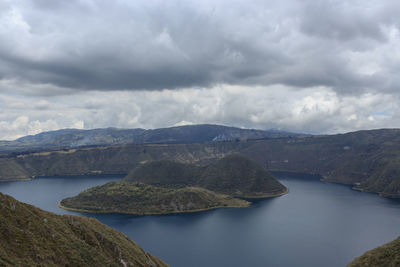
369	160
33	237
73	138
163	187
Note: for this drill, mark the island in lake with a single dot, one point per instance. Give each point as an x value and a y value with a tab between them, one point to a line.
163	187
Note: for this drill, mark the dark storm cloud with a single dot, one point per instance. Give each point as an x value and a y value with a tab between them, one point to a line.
342	20
152	45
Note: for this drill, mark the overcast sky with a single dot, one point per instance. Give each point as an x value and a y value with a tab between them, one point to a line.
310	66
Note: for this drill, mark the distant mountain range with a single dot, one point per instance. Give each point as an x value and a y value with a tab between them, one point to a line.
369	160
72	138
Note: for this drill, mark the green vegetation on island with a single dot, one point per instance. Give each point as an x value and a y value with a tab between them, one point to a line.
235	175
163	187
142	199
387	255
33	237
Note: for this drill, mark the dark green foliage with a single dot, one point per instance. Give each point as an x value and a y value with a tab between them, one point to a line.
239	176
142	199
168	187
166	173
33	237
386	256
234	174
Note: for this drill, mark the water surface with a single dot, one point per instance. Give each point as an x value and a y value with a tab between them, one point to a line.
316	224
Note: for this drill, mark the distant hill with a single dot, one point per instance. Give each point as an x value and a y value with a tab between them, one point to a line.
168	187
72	138
235	175
387	255
33	237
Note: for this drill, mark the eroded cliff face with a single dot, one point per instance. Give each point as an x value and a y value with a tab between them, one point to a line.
33	237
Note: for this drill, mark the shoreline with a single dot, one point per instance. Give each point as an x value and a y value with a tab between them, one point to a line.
17	179
149	213
286	191
270	195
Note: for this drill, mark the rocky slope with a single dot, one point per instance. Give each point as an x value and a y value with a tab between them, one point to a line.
33	237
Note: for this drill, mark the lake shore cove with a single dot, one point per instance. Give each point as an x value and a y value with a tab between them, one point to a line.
164	187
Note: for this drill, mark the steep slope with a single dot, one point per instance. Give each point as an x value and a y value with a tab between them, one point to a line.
387	255
11	170
370	160
234	175
143	199
166	174
33	237
239	176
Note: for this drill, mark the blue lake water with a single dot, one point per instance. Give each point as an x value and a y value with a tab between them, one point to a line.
316	224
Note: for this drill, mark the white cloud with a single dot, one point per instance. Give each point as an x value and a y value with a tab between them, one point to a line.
316	110
307	65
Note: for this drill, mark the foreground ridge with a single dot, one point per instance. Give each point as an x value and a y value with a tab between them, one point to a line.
34	237
386	255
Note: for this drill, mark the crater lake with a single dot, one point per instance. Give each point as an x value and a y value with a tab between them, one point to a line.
315	224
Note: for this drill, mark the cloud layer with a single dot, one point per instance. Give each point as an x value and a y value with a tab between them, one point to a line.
317	110
350	46
305	65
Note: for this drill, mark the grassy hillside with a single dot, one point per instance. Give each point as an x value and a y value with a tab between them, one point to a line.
387	255
234	175
11	170
142	199
166	174
33	237
239	176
